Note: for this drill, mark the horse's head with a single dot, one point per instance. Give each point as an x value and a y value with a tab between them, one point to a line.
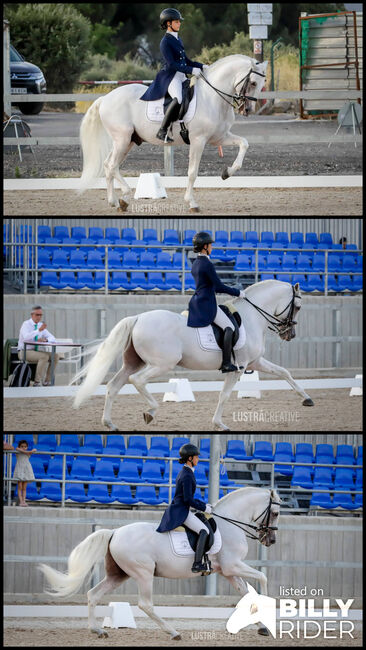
287	310
267	519
252	84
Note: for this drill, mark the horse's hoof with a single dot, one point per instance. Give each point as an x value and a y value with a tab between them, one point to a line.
225	174
263	631
308	402
177	637
148	418
123	205
194	210
101	633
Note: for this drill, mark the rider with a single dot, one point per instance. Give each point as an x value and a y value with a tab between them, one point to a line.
203	309
175	66
178	512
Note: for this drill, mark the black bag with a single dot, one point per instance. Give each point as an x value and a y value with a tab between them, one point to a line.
21	376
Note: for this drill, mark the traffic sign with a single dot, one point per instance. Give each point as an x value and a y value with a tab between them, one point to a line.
255	18
258	31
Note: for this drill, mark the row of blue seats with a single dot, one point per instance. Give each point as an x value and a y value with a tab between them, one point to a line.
345	501
316	282
341	478
116	280
116	260
78	493
302	263
171	235
283	451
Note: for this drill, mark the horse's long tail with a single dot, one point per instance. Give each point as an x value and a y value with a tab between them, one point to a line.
95	371
81	560
95	143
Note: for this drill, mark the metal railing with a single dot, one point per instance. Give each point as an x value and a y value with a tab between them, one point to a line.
15	257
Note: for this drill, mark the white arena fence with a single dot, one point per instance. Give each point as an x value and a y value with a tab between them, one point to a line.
13	266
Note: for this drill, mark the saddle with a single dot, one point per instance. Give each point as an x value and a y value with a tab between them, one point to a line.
219	332
187	94
193	537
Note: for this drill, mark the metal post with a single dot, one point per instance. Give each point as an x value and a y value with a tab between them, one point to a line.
106	269
6	67
337	332
213	496
63	479
168	161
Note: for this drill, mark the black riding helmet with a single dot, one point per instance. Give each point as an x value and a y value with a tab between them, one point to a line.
200	239
169	14
186	451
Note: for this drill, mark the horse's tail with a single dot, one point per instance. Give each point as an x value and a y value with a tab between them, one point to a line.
81	561
95	143
95	371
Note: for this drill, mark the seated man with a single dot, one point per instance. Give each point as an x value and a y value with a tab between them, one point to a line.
30	330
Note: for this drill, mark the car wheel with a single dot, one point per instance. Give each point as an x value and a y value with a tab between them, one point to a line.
31	109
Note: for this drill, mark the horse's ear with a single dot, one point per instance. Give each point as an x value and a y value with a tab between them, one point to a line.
297	287
265	63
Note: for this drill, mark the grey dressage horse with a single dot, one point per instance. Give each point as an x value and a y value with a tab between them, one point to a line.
138	551
155	342
117	121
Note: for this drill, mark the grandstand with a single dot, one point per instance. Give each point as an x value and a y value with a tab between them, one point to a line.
133	472
134	258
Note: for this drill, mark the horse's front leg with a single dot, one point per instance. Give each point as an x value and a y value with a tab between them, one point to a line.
271	368
232	139
229	383
195	152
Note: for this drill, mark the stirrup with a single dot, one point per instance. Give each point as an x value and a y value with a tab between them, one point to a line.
229	368
163	135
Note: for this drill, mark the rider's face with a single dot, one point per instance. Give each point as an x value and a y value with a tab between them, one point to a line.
175	24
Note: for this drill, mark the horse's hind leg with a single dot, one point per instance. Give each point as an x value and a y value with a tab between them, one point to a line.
141	378
115	575
121	147
145	585
229	383
131	363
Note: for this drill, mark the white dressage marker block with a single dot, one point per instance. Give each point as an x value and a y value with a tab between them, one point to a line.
356	390
122	616
149	186
243	392
182	391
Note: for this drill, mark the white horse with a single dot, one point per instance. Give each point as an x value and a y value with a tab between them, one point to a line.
138	551
121	116
154	342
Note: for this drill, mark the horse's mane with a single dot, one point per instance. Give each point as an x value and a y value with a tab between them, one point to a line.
246	491
230	57
254	287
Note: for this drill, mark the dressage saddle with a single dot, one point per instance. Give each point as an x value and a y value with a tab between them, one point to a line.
187	94
219	332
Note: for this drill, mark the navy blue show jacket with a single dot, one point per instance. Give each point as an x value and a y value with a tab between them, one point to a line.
203	306
183	500
174	60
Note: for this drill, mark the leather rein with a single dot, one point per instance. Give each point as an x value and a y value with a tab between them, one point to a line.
262	529
239	100
279	326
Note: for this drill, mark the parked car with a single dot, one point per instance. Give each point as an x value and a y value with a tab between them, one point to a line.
26	78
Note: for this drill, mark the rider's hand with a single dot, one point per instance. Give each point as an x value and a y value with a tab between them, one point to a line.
205	66
242	294
208	508
196	72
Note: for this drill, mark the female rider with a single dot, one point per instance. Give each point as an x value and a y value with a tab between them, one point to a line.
178	512
203	309
176	65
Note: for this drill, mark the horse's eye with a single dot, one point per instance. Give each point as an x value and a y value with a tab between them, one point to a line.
254	83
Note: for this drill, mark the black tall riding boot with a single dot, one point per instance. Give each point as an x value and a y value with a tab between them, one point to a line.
227	366
197	566
169	117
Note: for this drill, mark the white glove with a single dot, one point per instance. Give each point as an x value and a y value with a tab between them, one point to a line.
242	294
205	66
208	508
196	72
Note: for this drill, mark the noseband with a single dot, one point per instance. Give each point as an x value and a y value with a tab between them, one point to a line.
262	528
279	326
239	100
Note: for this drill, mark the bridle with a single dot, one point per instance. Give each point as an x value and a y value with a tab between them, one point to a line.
239	100
279	326
263	527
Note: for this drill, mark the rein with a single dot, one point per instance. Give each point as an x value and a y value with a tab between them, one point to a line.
281	326
240	99
262	529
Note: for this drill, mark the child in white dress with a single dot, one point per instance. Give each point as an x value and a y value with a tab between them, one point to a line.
23	470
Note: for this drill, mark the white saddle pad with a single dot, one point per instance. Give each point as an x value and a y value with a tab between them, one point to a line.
206	338
155	109
180	545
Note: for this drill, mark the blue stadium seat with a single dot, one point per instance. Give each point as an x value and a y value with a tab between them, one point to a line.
302	477
324	453
38	467
50	491
119	280
104	470
112	233
147	261
49	279
138	442
70	439
267	237
315	283
304	449
279	245
323	477
44	259
149	234
345	283
345	455
67	280
32	492
24	436
189	282
163	261
60	232
129	260
50	248
188	236
78	232
160	444
46	442
311	238
114	260
200	475
282	238
151	472
349	263
77	260
172	281
122	494
59	260
176	445
357	283
69	244
301	280
334	263
303	263
326	238
147	494
236	449
343	478
152	244
333	284
128	471
344	501
297	238
138	280
116	441
274	262
55	468
92	444
318	262
164	495
358	501
81	469
171	237
94	260
75	492
251	236
243	262
360	455
43	233
263	450
236	238
283	453
322	500
99	493
289	262
177	261
129	234
95	233
156	281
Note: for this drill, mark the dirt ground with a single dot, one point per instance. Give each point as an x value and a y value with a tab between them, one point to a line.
333	410
256	202
193	633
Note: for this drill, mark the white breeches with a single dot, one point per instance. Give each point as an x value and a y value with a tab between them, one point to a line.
222	320
194	523
175	86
